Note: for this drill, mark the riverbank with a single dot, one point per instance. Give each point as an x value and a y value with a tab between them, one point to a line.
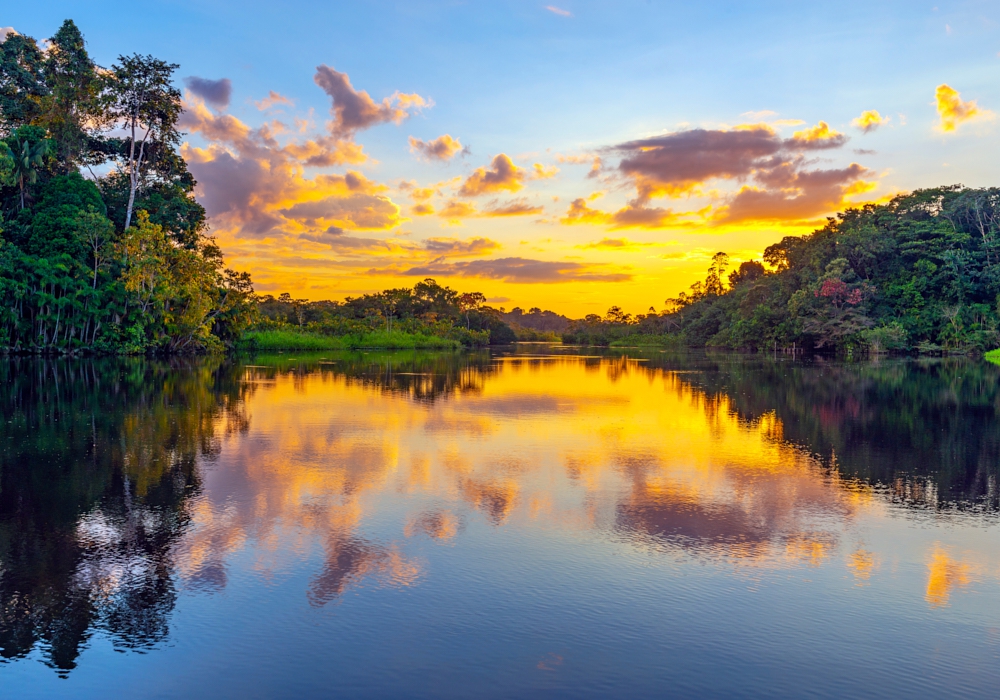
264	341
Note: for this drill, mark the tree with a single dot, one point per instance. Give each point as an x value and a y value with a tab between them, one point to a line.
22	82
713	282
71	108
470	301
97	232
28	159
145	102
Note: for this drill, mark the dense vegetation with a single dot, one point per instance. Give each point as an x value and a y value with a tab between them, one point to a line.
118	261
919	273
426	316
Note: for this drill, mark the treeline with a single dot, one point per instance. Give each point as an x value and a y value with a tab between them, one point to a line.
427	309
921	273
119	260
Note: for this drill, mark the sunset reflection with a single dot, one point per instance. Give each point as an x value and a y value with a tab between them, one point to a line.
610	447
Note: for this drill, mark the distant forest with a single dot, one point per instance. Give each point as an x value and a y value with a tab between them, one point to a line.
921	273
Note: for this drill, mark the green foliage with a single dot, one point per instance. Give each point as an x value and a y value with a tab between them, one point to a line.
290	339
919	273
426	310
75	274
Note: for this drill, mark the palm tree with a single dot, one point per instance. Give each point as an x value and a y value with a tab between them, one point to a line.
28	158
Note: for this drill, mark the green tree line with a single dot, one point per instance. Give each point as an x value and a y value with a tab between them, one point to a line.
103	247
920	273
427	308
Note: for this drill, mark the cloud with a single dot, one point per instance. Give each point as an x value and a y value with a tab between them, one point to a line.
819	136
520	271
442	148
503	175
953	111
422	209
634	215
558	11
775	181
357	211
354	111
5	32
794	195
580	212
273	98
615	244
869	120
457	248
574	159
252	185
455	210
762	114
517	207
214	92
540	172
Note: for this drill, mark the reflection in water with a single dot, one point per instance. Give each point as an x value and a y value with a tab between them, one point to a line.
97	465
126	485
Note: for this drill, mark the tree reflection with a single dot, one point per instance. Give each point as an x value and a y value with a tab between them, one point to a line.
97	464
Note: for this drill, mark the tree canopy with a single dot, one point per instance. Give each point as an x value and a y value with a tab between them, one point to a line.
103	246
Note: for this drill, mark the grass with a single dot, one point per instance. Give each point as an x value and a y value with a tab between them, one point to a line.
654	341
993	356
264	341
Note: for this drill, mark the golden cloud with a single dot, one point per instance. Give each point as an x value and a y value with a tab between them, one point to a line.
616	244
521	271
458	248
502	176
819	136
869	120
953	111
443	148
540	172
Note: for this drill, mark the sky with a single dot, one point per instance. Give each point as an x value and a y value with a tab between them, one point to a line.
569	156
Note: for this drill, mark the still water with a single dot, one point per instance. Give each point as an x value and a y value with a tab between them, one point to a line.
534	523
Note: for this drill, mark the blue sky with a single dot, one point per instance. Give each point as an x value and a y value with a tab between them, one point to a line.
538	85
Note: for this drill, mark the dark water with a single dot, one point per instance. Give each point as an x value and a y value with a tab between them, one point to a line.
530	524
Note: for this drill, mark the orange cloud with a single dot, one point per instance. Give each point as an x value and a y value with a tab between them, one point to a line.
518	207
442	148
819	136
793	195
273	98
953	111
634	215
251	183
457	248
503	175
422	209
615	244
455	210
540	172
869	120
521	271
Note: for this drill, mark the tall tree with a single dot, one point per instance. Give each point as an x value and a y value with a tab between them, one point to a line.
28	160
22	82
143	100
71	110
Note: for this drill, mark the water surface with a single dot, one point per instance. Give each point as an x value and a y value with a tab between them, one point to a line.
542	522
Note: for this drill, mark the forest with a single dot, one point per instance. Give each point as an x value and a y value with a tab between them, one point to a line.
920	273
118	260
